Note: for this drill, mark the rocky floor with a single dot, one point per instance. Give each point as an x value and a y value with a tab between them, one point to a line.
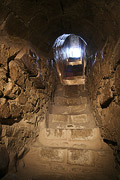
69	146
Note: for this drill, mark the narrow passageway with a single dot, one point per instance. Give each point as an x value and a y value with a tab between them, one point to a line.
69	145
59	90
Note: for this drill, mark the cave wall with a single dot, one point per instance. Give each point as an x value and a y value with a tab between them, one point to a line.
103	84
27	82
41	22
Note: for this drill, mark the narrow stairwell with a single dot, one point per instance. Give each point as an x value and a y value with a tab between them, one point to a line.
69	146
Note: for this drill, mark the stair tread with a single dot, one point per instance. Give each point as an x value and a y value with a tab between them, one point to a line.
75	139
80	121
69	101
65	162
59	109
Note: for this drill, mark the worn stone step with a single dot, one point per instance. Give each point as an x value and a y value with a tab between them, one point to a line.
79	164
58	164
81	157
75	80
58	100
71	91
65	121
72	134
52	155
58	109
76	139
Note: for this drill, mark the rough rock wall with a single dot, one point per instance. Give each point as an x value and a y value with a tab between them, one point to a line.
104	90
27	82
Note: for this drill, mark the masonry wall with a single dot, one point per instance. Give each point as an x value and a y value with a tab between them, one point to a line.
103	84
27	82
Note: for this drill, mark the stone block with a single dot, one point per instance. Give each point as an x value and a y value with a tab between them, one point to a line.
11	90
77	109
51	154
17	72
81	157
15	110
3	73
58	118
84	134
4	108
78	119
22	99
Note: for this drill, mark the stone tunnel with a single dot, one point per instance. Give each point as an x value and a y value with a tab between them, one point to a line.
50	130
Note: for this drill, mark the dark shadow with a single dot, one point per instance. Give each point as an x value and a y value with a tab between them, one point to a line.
107	103
110	142
10	121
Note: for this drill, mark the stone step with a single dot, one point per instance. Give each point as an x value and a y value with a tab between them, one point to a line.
83	164
75	139
73	157
58	100
59	109
71	91
76	80
64	121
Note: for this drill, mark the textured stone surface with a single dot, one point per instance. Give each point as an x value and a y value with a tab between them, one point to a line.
70	101
77	119
84	134
4	108
81	157
22	105
68	109
52	155
17	72
58	118
15	110
104	94
11	90
3	73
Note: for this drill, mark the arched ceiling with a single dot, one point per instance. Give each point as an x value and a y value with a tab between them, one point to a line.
41	21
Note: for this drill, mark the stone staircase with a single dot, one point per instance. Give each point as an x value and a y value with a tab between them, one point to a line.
69	145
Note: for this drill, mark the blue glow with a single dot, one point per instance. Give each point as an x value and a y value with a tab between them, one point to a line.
69	46
73	52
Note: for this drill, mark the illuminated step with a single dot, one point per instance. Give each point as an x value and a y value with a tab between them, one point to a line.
58	100
71	91
47	161
58	109
66	121
75	139
72	134
75	80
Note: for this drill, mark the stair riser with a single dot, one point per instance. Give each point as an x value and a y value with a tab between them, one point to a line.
67	109
71	134
79	139
81	121
70	101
